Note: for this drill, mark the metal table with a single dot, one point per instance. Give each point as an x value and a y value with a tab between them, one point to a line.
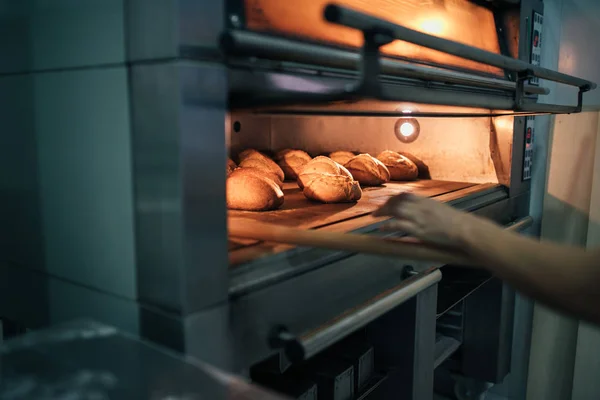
89	360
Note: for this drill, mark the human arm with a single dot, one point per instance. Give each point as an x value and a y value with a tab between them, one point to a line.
563	277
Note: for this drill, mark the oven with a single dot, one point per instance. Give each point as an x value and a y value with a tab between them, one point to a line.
454	85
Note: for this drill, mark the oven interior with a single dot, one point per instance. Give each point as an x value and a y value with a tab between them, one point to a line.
459	156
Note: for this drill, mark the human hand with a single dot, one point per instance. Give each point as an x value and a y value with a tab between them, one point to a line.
426	219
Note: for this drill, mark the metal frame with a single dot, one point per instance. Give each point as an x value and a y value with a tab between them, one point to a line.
178	109
517	184
251	44
488	329
348	17
404	342
318	340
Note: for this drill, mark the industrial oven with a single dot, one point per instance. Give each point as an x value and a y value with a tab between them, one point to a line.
453	84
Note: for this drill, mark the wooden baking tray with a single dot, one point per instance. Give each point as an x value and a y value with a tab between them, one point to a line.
299	212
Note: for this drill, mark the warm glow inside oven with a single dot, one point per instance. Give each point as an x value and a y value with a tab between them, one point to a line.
459	20
456	157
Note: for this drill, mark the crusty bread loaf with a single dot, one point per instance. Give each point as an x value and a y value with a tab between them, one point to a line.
320	165
249	189
265	168
291	162
401	168
249	153
422	168
368	170
341	157
328	188
230	166
264	163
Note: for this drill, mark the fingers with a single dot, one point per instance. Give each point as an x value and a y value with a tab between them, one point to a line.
400	225
394	206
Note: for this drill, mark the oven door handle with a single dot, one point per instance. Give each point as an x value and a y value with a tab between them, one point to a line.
300	348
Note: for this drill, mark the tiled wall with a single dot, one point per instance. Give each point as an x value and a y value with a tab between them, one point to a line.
66	163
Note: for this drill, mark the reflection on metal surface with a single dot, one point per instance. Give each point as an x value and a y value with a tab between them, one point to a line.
460	20
316	341
85	360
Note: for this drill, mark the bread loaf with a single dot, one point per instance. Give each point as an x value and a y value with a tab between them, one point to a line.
249	153
401	168
249	189
318	166
368	170
328	188
230	166
253	159
341	157
291	162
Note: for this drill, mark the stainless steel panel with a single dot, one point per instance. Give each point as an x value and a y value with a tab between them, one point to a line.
488	328
93	360
404	343
50	34
315	342
179	153
257	88
208	336
308	301
244	43
162	29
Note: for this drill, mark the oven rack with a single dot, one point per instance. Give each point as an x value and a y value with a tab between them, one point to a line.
277	75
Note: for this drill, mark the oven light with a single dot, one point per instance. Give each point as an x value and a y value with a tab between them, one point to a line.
407	129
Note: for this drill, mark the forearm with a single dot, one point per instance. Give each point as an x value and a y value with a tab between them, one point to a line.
564	277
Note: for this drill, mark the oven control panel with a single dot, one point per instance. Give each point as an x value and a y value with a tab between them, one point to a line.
536	43
528	155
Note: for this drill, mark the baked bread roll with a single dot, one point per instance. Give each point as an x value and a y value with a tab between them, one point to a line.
328	188
341	157
291	162
368	170
249	189
401	168
249	153
318	166
253	159
230	166
264	168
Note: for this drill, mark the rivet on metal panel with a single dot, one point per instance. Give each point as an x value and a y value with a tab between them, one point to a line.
235	20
